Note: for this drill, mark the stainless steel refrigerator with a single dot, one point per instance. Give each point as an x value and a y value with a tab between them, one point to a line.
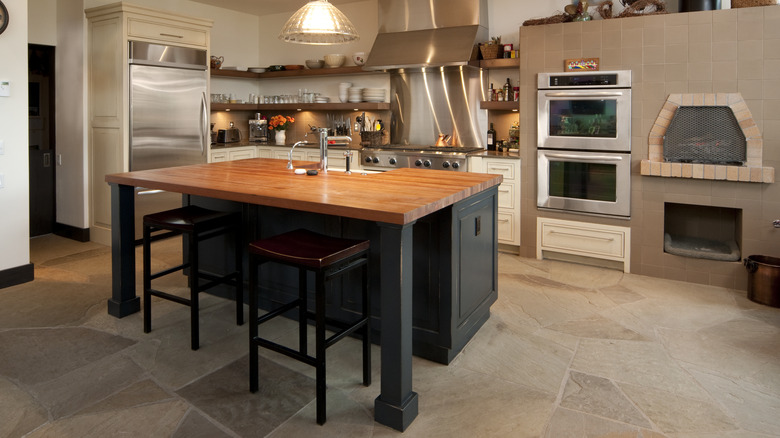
169	119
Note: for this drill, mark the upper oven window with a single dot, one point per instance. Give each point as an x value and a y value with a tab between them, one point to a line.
583	118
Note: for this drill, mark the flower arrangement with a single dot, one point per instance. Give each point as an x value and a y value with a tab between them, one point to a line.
280	122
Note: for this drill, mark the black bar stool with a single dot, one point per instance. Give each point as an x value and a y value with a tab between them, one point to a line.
197	224
327	257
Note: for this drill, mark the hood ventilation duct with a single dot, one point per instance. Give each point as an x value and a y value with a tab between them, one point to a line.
428	33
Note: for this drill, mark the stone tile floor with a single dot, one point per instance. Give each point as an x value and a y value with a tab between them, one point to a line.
569	351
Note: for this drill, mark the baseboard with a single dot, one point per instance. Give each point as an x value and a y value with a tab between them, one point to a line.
18	275
71	232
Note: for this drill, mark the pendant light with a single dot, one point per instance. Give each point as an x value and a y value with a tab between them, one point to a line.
318	22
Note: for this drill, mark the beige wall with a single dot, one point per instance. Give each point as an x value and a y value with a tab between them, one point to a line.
14	224
736	50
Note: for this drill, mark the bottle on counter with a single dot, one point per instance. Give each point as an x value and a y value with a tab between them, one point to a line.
491	138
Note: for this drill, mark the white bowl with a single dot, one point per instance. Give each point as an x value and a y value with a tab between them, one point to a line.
335	60
359	58
314	63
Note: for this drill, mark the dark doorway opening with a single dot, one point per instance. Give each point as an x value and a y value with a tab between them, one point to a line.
40	61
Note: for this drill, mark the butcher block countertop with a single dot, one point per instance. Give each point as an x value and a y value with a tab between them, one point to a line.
399	196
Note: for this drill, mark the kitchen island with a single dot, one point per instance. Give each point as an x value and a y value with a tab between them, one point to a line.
459	207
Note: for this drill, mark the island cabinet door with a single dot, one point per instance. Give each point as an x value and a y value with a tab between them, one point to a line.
475	264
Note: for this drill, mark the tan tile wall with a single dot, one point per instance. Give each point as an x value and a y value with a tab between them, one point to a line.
726	51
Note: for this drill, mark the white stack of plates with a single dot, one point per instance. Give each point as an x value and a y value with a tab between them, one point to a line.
321	99
374	94
355	94
257	69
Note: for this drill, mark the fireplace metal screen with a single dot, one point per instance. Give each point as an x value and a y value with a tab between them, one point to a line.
705	134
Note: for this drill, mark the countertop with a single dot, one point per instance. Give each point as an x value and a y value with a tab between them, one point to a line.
511	154
399	196
244	143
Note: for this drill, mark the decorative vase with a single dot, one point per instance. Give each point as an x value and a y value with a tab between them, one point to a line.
280	137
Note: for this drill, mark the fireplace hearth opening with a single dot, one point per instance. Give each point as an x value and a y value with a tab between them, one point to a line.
703	232
705	134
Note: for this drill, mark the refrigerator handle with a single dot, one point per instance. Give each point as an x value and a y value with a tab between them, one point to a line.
204	131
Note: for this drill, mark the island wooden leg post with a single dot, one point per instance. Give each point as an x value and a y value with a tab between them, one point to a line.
397	404
123	299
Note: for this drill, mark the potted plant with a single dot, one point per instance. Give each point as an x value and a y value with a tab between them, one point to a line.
279	125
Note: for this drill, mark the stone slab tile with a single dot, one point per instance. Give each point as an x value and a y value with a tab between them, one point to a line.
755	408
19	412
86	386
462	403
158	420
572	424
644	364
598	396
195	425
26	355
224	396
673	413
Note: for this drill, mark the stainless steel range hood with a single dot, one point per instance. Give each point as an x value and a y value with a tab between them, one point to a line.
428	33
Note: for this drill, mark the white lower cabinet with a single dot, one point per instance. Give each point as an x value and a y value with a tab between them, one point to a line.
508	195
230	154
584	239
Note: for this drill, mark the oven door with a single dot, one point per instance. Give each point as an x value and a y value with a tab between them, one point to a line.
585	182
596	119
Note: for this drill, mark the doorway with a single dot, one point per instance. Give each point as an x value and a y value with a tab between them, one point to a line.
41	139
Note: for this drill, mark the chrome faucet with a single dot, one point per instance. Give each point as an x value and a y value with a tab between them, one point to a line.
289	154
324	146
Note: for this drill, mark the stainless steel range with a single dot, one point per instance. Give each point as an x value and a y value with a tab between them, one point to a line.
453	158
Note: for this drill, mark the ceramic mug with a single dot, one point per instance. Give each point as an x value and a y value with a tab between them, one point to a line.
359	58
216	61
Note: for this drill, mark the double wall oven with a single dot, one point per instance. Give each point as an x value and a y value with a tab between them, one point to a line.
584	143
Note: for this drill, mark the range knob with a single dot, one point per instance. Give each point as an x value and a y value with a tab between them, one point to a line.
367	159
427	163
392	161
445	164
418	163
376	160
455	165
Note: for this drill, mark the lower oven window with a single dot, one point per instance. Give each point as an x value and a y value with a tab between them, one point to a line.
584	182
592	181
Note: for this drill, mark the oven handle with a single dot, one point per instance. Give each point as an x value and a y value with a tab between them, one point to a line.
586	94
585	158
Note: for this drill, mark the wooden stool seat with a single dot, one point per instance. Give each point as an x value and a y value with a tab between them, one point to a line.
327	257
197	224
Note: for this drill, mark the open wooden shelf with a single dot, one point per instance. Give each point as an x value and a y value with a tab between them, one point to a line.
500	63
291	73
501	106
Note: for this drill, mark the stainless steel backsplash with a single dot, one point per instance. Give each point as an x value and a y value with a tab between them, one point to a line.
442	100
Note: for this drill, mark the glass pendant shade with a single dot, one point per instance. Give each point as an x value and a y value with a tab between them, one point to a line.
318	22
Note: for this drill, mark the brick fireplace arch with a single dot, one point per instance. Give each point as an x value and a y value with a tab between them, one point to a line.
751	171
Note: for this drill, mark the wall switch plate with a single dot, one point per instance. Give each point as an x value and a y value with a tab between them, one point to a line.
5	88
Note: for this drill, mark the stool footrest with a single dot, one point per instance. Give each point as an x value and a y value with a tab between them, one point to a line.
346	330
287	351
278	311
214	280
157	275
170	297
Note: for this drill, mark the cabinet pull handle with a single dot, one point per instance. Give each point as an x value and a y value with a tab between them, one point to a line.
503	220
171	35
608	239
